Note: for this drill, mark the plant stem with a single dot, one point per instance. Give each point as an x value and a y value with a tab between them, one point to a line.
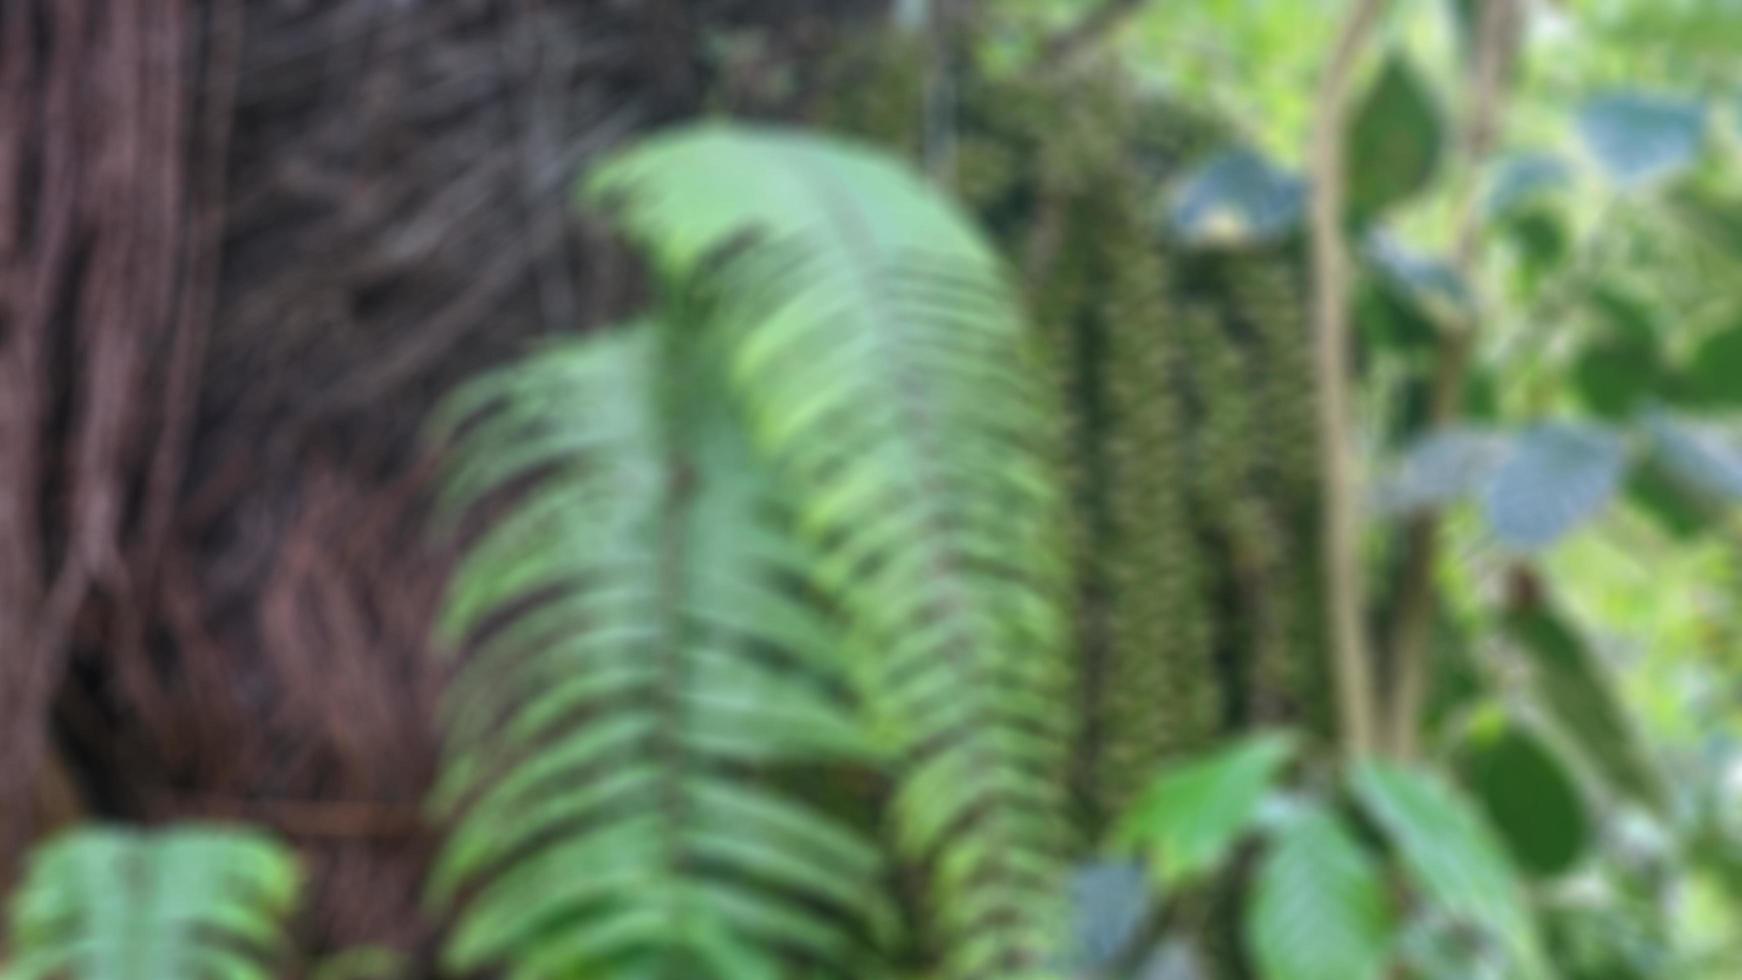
1341	555
1496	32
1086	33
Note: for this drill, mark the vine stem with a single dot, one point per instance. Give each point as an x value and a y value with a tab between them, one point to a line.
1351	663
1496	29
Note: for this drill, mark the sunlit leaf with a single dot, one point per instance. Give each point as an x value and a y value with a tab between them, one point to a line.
650	643
1452	855
1194	813
1442	468
1111	901
1641	138
1522	179
1320	909
1557	476
1175	959
1237	198
877	347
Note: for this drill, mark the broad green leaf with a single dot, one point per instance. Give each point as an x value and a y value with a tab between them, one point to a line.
1569	682
1520	180
1320	909
1111	902
1237	198
1642	138
1666	499
1701	461
1194	813
1557	476
1482	395
1622	367
1174	959
1539	237
1441	468
1395	139
1528	795
1452	856
1389	320
1427	283
1435	946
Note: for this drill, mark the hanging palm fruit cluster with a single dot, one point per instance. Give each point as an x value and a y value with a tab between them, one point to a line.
1188	383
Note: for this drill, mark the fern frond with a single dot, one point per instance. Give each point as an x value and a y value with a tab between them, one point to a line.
643	655
879	352
189	903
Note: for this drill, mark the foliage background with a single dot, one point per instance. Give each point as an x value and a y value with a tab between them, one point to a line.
278	232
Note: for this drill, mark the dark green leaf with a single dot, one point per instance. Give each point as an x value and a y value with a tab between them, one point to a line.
1623	312
1702	459
1482	396
1714	375
1320	908
1194	813
1665	500
1539	235
1615	376
1557	476
1395	139
1429	285
1528	796
1640	138
1575	690
1388	321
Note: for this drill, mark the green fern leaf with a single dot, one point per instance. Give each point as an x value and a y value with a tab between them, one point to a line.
641	656
189	902
885	368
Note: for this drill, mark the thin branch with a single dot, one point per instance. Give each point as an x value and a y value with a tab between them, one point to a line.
1351	663
1496	34
1064	47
